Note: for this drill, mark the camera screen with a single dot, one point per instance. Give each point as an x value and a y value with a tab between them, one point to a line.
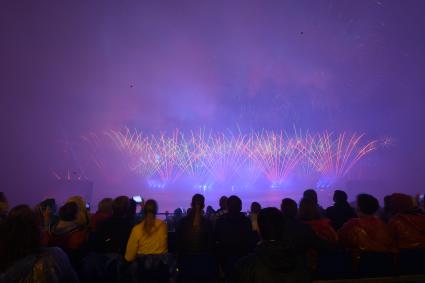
137	199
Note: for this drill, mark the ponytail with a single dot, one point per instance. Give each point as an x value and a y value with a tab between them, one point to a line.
150	210
198	202
197	211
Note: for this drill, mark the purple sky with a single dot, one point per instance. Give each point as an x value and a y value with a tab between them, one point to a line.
72	67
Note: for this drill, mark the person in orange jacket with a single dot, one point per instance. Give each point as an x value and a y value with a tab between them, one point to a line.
367	232
408	223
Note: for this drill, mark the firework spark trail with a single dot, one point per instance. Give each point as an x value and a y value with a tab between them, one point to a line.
91	140
166	157
223	157
350	158
336	157
249	171
138	146
319	151
194	152
276	154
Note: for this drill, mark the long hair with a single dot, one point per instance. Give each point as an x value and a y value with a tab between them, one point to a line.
198	203
308	210
82	216
20	235
149	210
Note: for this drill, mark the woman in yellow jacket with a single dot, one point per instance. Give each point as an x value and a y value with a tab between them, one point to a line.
148	237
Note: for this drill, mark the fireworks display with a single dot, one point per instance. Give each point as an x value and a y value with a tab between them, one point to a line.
208	157
336	155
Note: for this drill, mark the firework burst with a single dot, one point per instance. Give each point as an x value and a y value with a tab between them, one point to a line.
336	156
276	154
225	158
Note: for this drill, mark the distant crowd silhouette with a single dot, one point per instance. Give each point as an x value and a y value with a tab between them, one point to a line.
124	241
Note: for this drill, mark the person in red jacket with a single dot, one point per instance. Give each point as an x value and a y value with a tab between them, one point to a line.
68	234
408	223
309	213
103	213
367	232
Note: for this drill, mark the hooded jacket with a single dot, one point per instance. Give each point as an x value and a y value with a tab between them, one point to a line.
49	265
368	234
69	236
408	230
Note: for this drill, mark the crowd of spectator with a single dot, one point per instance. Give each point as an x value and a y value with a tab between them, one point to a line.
119	244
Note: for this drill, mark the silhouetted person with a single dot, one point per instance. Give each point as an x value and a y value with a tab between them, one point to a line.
301	235
408	223
112	235
82	215
367	232
233	234
210	213
341	211
309	214
386	212
22	257
132	212
194	233
312	194
223	206
274	259
289	208
69	234
104	212
255	209
46	211
148	237
173	221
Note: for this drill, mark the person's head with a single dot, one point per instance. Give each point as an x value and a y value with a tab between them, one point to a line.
20	235
367	204
223	202
198	202
289	208
255	207
340	196
68	212
311	194
4	205
82	217
308	210
105	206
270	223
234	204
402	203
48	203
120	206
150	208
178	212
210	210
132	207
